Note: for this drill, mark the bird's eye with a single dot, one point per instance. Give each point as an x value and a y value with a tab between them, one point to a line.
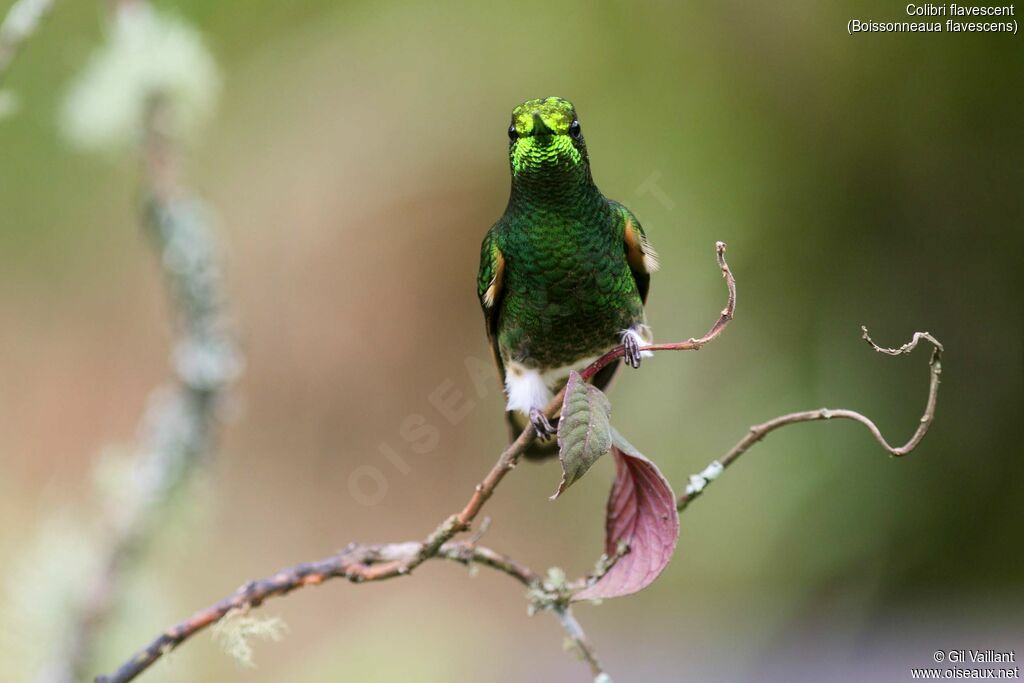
574	130
512	134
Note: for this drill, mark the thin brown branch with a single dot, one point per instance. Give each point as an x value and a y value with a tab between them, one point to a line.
362	563
352	563
691	344
699	482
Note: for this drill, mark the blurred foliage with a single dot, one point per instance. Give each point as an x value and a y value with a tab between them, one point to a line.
356	162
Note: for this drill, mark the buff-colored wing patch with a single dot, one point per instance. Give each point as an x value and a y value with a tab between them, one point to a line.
639	252
497	279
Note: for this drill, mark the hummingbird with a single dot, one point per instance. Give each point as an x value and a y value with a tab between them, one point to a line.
564	273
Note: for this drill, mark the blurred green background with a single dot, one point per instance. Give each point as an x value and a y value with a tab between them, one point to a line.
357	159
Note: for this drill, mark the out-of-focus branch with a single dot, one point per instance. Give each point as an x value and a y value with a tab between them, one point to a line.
21	21
179	425
580	642
698	482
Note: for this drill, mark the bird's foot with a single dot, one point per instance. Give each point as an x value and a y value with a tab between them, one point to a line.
541	423
631	345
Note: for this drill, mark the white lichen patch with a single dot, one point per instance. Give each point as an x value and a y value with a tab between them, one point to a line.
698	482
235	631
38	590
147	55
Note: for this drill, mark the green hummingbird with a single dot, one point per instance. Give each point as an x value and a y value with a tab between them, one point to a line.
564	273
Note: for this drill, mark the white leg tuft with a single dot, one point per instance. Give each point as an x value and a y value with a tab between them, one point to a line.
525	389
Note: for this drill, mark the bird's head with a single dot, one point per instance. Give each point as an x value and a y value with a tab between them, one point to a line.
545	138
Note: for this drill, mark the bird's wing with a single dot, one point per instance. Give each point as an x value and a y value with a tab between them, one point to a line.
490	282
642	258
643	261
490	289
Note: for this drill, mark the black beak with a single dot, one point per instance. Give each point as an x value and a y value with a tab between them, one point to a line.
539	127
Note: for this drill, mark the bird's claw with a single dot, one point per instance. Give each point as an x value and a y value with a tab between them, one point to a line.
541	423
631	350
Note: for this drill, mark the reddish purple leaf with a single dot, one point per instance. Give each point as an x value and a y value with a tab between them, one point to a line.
641	513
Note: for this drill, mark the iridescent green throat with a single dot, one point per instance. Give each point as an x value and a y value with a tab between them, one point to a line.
550	171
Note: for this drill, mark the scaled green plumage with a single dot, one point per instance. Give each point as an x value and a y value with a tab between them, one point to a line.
564	273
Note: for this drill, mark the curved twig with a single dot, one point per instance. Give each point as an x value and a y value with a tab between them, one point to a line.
691	344
698	482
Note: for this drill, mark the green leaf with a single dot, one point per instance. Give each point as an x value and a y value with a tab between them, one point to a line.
584	430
